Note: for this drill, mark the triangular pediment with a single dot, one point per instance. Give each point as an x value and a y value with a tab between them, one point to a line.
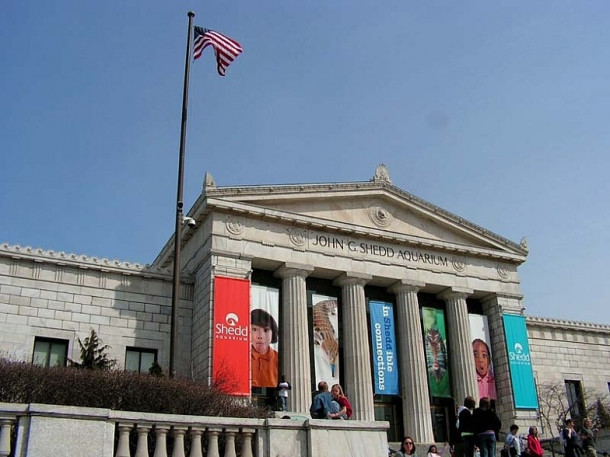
379	209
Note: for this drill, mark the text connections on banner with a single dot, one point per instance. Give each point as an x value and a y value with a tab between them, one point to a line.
383	342
231	346
519	362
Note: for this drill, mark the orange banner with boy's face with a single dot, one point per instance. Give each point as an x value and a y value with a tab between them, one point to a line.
231	344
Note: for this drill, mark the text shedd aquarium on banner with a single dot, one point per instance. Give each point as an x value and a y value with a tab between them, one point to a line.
519	362
231	345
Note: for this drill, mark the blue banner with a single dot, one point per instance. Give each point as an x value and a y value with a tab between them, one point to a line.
519	362
383	343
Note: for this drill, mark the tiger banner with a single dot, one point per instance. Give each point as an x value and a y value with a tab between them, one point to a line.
437	360
326	339
231	345
383	348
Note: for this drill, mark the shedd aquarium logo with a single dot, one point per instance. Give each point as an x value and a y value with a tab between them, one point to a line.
517	356
230	329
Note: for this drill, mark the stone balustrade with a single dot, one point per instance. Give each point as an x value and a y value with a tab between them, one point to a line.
37	430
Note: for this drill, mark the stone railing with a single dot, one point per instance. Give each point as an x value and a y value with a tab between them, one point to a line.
45	430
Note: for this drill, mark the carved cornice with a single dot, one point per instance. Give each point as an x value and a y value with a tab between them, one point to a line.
565	324
266	191
79	260
235	200
314	223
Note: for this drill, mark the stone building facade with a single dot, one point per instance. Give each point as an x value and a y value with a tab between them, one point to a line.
358	241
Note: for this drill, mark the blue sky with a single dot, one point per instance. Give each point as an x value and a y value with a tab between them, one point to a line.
495	111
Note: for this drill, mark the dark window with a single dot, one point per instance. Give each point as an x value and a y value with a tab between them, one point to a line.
575	399
138	359
49	352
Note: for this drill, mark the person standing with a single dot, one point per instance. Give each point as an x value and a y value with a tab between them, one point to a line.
282	391
466	429
320	406
486	426
587	434
534	447
570	438
512	442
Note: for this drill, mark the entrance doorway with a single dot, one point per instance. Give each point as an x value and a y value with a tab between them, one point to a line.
391	412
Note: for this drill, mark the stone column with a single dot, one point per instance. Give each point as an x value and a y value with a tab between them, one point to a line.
416	415
294	336
356	353
463	372
494	307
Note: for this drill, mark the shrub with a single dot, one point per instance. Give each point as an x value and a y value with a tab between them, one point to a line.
22	382
93	354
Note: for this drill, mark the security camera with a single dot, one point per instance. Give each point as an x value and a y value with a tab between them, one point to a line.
189	221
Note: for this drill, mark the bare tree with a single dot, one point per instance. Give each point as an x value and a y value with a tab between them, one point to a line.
554	408
553	405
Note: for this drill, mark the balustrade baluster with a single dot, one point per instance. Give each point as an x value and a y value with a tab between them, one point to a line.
161	446
5	436
246	443
196	450
230	433
213	442
122	449
178	434
142	447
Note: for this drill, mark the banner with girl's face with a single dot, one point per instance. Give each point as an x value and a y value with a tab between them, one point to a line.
481	352
264	336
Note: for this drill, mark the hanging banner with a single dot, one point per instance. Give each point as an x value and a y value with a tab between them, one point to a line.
326	339
231	345
435	338
264	336
383	344
481	351
519	362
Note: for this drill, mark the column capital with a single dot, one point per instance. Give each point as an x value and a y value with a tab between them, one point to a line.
455	292
293	269
348	278
407	285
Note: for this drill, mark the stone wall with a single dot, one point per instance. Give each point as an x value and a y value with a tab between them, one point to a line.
563	350
570	351
55	295
50	431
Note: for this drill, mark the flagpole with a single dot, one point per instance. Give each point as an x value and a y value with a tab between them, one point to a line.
179	205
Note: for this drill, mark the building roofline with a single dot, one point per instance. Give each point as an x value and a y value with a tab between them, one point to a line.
565	324
81	261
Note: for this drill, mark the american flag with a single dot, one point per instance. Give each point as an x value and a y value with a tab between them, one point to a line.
226	49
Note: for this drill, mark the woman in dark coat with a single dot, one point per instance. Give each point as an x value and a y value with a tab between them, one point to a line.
486	427
570	438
